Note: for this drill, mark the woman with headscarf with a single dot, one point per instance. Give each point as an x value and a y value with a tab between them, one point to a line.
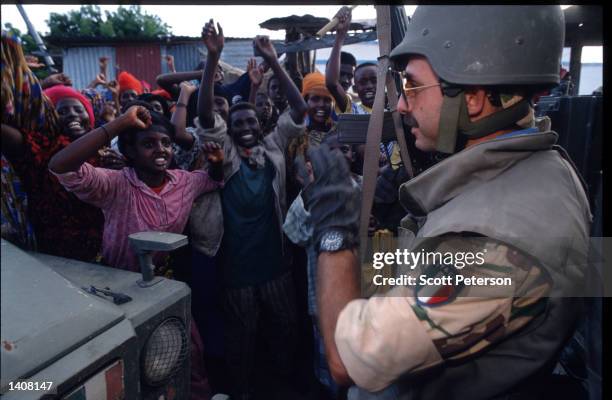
129	88
318	124
32	132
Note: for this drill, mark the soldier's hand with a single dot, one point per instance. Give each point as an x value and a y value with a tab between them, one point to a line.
330	196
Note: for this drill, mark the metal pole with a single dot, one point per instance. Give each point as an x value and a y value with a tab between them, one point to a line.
37	39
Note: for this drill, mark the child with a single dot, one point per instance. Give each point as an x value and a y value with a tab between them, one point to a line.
144	197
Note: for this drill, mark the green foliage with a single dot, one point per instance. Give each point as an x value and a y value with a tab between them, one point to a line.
27	41
128	22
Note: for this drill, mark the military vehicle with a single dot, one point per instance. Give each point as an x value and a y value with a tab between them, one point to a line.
73	330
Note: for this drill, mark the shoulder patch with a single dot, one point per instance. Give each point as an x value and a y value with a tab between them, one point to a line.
436	286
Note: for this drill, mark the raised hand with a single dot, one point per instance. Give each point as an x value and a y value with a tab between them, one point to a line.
137	117
214	152
265	48
98	80
344	16
113	86
103	62
188	88
213	38
33	62
56	79
255	72
170	63
111	159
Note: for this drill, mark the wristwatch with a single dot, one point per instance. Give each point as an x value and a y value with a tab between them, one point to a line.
335	240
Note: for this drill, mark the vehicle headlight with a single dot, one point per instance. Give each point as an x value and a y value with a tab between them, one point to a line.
164	352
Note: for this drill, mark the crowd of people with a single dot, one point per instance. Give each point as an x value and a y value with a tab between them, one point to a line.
197	156
238	168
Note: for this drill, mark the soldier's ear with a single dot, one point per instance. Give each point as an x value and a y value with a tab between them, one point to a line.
476	101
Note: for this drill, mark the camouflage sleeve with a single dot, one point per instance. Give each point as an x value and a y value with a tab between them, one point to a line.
414	327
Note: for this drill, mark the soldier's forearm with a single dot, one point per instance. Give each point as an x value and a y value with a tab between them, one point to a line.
337	285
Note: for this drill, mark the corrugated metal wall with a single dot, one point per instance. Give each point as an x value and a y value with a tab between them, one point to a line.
81	64
145	60
237	53
142	61
186	56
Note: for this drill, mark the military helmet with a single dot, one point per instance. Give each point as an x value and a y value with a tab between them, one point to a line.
487	45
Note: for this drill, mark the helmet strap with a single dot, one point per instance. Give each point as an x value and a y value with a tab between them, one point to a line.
453	106
503	119
454	120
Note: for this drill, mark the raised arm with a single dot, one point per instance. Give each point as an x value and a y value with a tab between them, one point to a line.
76	153
296	102
169	81
256	74
179	116
170	63
214	41
54	80
332	72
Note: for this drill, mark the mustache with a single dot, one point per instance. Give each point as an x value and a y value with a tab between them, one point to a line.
410	121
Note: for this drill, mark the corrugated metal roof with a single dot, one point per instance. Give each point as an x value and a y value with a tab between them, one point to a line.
81	64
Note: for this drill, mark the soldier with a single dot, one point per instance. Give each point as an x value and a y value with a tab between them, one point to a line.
467	93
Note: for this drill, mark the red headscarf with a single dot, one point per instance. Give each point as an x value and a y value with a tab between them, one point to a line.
162	93
59	92
128	81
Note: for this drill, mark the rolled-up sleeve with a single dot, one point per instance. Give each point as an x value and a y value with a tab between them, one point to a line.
96	186
381	338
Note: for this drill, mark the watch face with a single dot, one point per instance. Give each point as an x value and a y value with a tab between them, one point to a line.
332	241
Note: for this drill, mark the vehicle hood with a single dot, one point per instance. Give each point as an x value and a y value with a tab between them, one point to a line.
43	315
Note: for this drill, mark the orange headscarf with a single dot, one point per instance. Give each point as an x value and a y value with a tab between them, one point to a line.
314	84
128	81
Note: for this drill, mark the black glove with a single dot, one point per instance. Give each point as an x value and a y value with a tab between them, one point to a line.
332	199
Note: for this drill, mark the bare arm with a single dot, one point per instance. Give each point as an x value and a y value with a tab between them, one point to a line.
170	63
294	97
55	79
332	72
12	142
103	64
179	116
168	82
113	86
214	41
337	285
76	153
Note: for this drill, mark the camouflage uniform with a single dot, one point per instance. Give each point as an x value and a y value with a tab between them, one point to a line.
482	340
